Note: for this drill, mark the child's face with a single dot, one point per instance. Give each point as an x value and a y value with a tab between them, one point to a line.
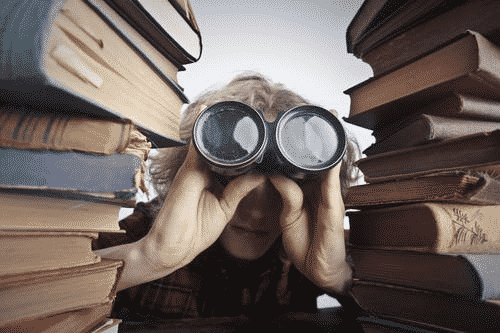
255	225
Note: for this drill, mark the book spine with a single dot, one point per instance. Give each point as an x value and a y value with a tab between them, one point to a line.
26	128
428	227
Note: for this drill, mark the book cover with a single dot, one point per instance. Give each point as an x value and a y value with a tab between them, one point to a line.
170	25
412	14
29	296
473	188
67	170
453	105
472	152
470	276
414	305
482	16
76	321
427	227
69	60
35	212
468	64
426	128
30	128
23	251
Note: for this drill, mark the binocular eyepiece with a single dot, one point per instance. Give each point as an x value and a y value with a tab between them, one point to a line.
301	143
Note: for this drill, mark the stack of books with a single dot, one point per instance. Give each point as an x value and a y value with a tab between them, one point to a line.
425	228
87	88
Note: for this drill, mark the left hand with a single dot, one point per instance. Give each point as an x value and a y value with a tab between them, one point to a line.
312	223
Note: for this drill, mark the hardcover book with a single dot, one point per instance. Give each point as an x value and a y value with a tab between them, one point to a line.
35	212
170	25
70	60
425	128
30	296
437	310
406	45
472	152
470	276
453	105
468	64
447	187
427	227
23	251
75	321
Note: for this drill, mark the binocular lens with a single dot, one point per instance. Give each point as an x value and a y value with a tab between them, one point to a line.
230	134
309	141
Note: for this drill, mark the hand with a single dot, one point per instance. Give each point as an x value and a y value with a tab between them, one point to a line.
312	224
194	214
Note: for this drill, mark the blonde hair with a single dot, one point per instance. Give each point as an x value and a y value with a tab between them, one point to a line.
260	93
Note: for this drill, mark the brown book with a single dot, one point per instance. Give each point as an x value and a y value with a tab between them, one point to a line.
28	128
453	105
410	14
171	25
23	251
428	227
467	65
76	321
448	187
37	212
470	276
33	295
405	45
426	128
473	152
83	64
370	14
419	306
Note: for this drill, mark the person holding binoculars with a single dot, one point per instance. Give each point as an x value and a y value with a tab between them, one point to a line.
249	219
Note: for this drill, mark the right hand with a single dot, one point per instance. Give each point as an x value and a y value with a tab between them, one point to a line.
193	215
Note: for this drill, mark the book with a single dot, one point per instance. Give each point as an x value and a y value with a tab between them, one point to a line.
449	187
427	227
406	45
35	212
468	64
412	305
78	64
470	276
161	64
75	321
170	25
426	128
453	105
68	170
34	295
368	15
406	16
472	152
30	128
23	251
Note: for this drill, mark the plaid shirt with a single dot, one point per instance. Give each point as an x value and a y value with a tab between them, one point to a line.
214	284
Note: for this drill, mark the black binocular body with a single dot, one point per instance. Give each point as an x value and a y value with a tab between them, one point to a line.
303	142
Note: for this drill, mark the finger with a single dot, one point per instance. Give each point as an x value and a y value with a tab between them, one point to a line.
236	190
191	180
292	196
331	193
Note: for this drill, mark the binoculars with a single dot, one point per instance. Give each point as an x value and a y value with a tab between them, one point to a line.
303	142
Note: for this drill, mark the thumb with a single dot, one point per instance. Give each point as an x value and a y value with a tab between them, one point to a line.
236	190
